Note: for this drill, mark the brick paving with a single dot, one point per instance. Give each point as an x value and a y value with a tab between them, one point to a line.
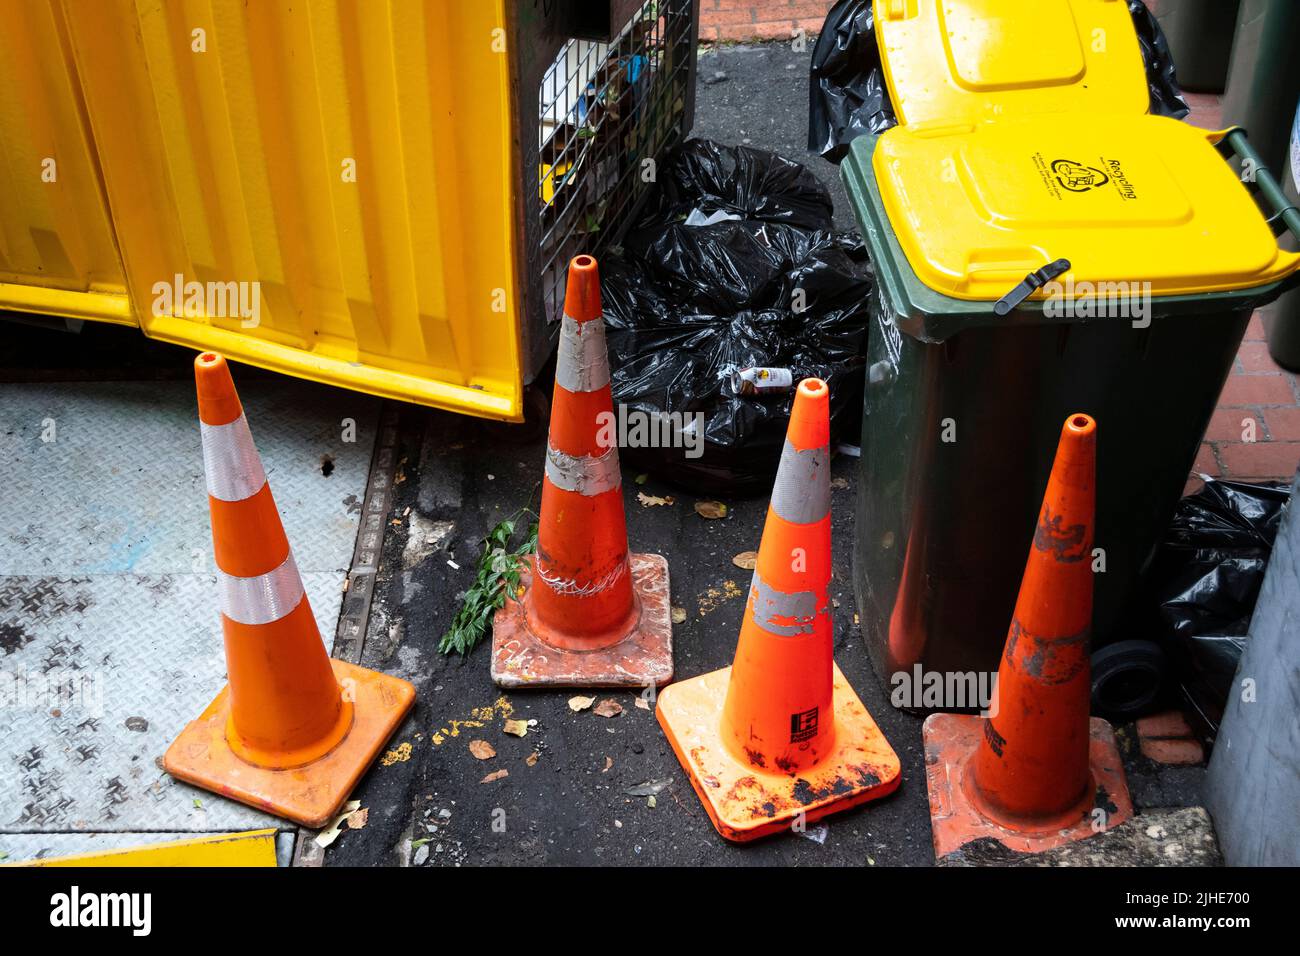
1259	401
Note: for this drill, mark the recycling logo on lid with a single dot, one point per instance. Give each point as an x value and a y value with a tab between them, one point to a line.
1076	177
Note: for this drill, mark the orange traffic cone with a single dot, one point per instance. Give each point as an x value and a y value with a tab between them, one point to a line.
591	615
293	731
1036	772
780	737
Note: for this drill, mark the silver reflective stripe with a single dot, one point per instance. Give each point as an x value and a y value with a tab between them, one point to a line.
230	461
264	598
575	588
802	493
782	614
586	475
582	364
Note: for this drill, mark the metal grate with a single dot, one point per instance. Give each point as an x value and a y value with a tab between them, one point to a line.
603	110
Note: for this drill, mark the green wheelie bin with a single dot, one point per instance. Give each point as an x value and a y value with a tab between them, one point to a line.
1030	268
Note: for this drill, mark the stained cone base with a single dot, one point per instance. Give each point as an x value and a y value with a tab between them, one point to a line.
956	819
745	802
311	794
644	657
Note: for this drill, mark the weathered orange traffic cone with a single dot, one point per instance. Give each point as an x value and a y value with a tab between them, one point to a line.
1037	772
293	731
591	615
780	737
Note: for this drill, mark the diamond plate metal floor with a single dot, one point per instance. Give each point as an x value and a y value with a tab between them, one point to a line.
110	639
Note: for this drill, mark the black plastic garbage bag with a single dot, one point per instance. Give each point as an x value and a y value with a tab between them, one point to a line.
846	88
1203	583
732	266
1166	97
848	95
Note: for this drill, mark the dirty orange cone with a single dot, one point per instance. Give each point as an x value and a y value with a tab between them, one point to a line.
591	614
293	731
1037	772
780	737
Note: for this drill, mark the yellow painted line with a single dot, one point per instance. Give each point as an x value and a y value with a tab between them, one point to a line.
253	848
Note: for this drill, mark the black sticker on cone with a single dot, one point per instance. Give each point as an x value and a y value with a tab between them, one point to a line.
803	725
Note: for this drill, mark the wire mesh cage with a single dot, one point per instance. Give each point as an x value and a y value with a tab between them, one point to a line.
607	112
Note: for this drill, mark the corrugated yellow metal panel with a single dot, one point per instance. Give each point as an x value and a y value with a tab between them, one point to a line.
252	848
57	253
345	163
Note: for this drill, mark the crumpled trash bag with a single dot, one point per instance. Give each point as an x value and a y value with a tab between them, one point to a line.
1166	97
848	95
707	284
846	86
1202	584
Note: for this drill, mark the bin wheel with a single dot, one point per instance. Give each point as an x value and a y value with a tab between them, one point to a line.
1127	678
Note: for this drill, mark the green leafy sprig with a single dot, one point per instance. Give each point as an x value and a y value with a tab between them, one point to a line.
496	578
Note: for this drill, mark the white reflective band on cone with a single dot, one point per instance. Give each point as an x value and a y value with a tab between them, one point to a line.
584	474
264	598
802	493
582	365
781	613
230	461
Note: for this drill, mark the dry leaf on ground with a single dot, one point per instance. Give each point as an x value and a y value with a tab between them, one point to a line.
516	728
331	832
608	708
710	509
651	501
482	749
495	775
679	615
357	818
533	757
746	559
580	703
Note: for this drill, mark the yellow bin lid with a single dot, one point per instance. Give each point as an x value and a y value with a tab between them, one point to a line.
973	60
1137	199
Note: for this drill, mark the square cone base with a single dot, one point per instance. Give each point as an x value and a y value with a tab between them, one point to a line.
950	743
746	803
311	794
522	659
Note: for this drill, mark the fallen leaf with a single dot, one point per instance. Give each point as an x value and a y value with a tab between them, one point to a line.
650	501
533	757
357	818
710	509
400	755
482	749
580	703
679	615
651	802
746	559
643	703
516	727
331	832
609	762
495	775
608	708
648	789
839	482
